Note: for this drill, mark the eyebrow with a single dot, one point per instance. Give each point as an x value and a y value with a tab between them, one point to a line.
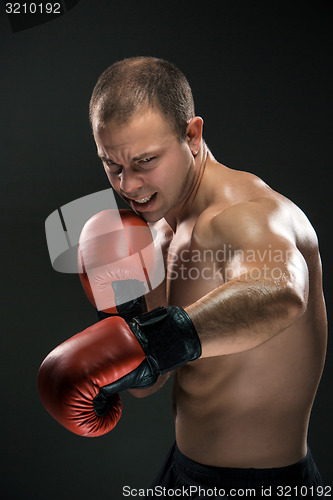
102	157
135	158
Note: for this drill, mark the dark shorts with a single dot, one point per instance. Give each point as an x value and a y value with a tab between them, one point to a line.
184	478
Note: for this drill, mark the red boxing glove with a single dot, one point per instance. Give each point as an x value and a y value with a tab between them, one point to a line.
72	374
79	381
116	257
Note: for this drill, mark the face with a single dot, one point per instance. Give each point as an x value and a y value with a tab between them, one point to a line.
146	164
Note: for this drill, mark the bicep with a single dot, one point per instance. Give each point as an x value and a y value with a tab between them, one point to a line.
262	249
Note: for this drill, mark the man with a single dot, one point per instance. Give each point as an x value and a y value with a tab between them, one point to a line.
242	261
240	258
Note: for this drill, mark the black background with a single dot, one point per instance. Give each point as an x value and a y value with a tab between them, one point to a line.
261	80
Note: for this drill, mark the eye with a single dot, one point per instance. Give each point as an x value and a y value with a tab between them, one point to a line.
146	161
113	168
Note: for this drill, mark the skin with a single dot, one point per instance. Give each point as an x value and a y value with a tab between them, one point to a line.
243	261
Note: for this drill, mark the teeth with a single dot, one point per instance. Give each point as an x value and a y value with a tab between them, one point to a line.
143	200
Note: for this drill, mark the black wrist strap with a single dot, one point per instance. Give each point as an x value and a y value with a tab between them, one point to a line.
127	306
168	337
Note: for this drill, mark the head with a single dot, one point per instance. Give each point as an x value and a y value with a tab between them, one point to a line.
147	135
143	82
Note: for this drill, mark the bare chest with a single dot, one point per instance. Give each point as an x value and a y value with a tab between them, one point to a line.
190	270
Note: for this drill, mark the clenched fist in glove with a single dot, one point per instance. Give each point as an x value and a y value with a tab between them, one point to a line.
117	262
79	380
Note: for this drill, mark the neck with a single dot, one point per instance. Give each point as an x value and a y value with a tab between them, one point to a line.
186	207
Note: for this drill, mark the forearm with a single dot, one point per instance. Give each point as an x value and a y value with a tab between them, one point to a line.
243	314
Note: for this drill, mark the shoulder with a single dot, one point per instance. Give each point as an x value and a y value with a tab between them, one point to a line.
228	224
255	221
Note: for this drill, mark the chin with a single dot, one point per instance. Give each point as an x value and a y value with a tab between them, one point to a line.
151	217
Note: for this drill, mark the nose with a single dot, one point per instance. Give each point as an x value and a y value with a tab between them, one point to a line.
130	182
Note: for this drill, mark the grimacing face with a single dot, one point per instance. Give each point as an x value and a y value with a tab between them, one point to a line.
146	163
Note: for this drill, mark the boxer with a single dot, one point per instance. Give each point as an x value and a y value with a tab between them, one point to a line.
242	263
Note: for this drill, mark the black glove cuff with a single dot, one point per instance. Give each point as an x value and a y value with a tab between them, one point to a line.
133	290
127	309
168	337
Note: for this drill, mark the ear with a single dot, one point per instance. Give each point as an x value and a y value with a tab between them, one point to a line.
194	134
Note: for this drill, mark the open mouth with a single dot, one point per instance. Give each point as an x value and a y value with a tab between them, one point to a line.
142	204
145	199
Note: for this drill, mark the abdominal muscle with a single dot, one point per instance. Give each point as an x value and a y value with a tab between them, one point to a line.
250	410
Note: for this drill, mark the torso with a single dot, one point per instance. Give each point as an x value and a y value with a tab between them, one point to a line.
249	409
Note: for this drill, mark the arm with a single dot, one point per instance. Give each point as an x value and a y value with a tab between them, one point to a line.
115	259
265	291
266	280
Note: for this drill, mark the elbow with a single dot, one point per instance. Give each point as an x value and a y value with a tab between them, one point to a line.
296	308
297	288
295	305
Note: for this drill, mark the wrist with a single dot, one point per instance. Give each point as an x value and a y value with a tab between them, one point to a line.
129	300
168	337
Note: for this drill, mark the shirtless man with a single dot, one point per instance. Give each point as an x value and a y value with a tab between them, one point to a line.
243	262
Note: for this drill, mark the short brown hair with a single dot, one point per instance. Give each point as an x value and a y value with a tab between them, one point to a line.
139	82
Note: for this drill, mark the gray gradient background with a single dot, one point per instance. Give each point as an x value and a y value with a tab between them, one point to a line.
261	81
